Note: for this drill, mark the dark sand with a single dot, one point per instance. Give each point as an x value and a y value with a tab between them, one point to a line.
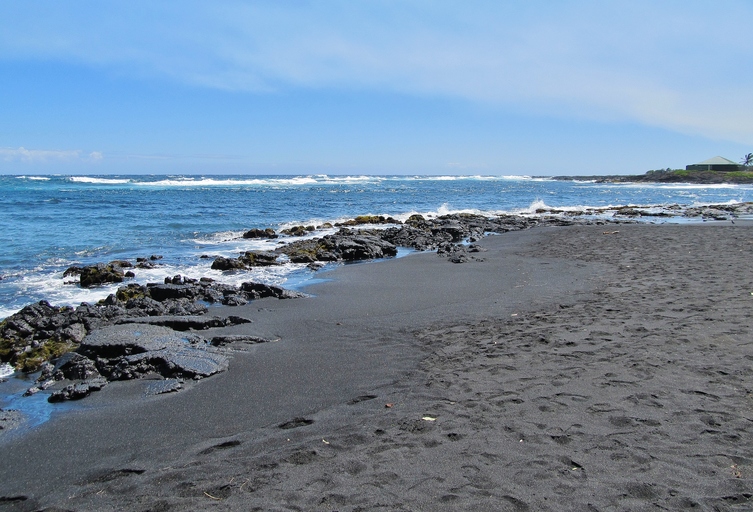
573	369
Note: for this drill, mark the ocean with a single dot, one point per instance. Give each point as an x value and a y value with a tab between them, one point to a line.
50	223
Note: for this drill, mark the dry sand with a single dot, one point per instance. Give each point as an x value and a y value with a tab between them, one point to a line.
573	369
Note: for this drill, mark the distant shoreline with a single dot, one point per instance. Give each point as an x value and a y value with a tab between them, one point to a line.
670	176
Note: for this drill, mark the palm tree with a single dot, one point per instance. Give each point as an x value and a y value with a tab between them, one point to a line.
747	160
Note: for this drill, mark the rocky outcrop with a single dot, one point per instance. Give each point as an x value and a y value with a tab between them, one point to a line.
417	233
345	245
148	262
72	366
78	390
186	323
298	230
260	233
222	263
41	332
100	273
719	211
140	347
367	219
254	291
132	351
419	238
259	259
246	260
105	273
424	234
455	253
125	352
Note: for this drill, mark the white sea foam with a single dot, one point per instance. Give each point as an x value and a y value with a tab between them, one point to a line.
307	180
731	202
6	311
218	238
52	286
671	186
211	182
540	204
99	181
463	177
537	204
6	370
445	209
33	178
275	182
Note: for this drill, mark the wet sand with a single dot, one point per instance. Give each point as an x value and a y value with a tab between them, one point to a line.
579	368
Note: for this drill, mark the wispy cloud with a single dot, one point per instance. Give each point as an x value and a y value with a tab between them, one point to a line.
46	155
639	61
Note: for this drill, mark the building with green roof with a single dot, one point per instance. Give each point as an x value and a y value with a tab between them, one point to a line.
718	163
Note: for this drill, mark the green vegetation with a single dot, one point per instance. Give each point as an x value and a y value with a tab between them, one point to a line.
748	174
368	219
672	176
298	230
6	350
682	175
132	291
50	349
32	360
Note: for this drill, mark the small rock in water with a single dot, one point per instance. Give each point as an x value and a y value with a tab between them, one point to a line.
32	391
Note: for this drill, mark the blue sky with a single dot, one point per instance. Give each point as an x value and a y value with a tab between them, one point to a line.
373	86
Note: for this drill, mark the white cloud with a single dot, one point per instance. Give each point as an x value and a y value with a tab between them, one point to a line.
676	64
46	155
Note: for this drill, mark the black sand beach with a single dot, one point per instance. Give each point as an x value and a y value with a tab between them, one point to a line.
576	368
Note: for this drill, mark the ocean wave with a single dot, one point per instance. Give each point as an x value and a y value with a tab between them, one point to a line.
214	182
285	181
539	204
293	181
463	177
217	238
6	370
33	178
99	181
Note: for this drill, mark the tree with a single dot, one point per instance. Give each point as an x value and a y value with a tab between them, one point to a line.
747	160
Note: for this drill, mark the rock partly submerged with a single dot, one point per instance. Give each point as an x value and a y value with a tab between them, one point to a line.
356	241
345	245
